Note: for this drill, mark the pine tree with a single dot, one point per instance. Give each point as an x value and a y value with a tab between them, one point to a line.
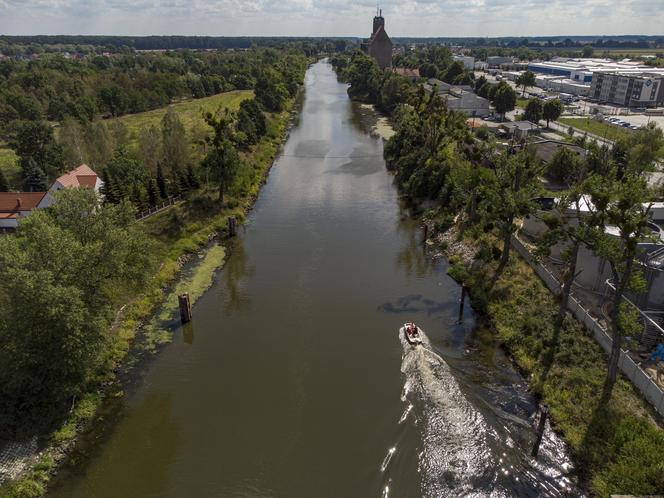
161	182
153	192
192	178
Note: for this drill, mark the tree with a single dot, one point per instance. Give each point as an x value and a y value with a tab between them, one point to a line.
56	279
534	110
4	184
453	72
222	157
504	98
161	182
72	139
552	110
126	179
149	147
563	164
525	80
271	91
621	199
587	51
175	149
35	144
510	193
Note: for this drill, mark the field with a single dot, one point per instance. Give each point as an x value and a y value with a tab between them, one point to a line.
190	112
599	128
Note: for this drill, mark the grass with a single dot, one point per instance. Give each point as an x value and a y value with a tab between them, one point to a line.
522	102
616	446
599	128
190	112
183	229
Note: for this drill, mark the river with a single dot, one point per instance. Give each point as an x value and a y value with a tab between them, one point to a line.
293	380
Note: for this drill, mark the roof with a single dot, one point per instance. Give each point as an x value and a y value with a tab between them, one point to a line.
15	202
406	71
83	176
521	125
546	150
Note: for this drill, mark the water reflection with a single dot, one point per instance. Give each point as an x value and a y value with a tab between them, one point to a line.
236	271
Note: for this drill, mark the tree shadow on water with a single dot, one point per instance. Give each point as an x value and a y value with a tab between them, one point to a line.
416	303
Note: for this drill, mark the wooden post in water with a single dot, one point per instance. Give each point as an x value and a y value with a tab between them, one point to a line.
461	303
185	307
232	226
544	412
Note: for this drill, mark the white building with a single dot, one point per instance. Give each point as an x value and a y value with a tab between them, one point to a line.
468	62
15	206
629	89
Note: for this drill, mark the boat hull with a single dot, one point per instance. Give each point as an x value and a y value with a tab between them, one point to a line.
413	340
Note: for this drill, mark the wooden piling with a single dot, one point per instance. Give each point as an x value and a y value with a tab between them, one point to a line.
185	307
232	226
544	412
462	302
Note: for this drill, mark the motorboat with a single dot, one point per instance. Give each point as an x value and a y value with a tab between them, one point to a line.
412	333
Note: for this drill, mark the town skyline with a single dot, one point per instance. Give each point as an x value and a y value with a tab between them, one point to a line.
330	18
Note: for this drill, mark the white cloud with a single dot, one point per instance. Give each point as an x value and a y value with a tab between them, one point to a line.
332	17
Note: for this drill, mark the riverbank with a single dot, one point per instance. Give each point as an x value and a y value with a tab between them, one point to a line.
616	447
176	234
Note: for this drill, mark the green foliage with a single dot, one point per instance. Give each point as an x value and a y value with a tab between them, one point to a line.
563	165
504	98
552	110
534	110
251	122
35	144
55	276
4	184
223	159
271	90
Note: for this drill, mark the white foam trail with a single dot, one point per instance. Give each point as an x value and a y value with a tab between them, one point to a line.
386	491
404	416
386	460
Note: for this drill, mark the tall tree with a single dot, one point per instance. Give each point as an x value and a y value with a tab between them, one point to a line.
56	278
175	148
525	80
510	193
222	156
504	98
533	110
149	147
552	110
35	144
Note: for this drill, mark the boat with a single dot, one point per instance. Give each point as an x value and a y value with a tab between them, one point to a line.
412	333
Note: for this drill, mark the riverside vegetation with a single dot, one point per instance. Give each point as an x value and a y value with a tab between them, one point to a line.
479	192
79	279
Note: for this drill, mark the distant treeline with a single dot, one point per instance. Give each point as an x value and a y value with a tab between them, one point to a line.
625	41
171	42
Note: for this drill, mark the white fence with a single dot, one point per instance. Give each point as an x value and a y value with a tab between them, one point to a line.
159	208
641	380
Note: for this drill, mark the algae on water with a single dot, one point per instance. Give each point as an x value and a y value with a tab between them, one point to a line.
195	281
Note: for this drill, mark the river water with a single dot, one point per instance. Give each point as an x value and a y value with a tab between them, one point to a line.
293	380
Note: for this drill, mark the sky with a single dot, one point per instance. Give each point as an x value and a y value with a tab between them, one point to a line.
332	17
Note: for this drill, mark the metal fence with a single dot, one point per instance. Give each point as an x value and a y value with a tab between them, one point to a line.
639	377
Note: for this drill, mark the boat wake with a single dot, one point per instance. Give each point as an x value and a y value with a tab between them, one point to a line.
464	452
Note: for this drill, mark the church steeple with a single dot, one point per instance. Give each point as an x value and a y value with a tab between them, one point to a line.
379	20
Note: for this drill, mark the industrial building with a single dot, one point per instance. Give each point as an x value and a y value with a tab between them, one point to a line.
467	61
629	89
460	98
497	60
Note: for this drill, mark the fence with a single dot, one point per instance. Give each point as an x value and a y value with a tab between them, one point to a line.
641	380
159	208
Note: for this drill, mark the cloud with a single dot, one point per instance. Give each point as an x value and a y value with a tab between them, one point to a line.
331	17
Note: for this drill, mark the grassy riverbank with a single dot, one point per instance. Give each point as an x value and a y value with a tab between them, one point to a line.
180	231
616	447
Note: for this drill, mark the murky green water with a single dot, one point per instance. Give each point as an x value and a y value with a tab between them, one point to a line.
292	380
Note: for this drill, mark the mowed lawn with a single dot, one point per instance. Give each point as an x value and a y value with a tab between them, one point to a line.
191	112
599	128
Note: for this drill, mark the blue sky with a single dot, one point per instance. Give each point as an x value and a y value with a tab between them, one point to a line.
332	17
